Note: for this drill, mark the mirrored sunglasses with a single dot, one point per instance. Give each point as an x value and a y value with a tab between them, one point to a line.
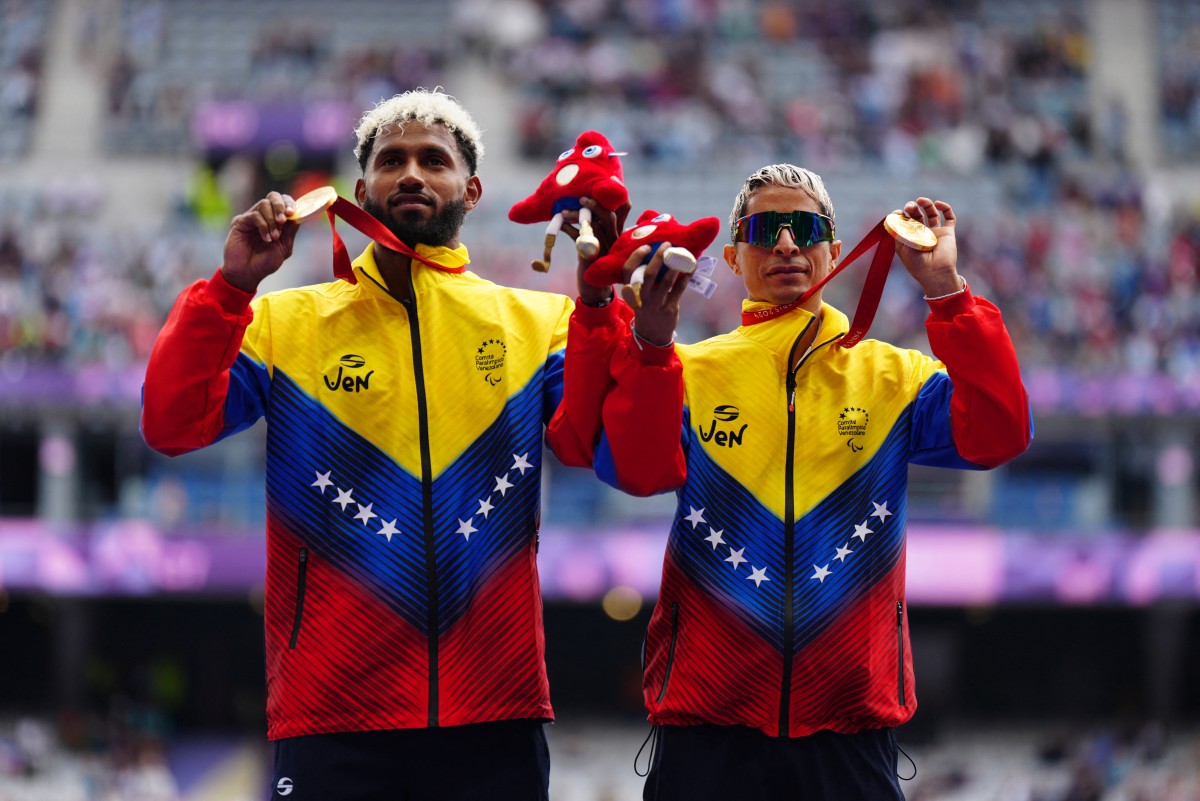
763	228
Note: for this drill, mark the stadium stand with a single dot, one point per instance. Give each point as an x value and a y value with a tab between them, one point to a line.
1092	252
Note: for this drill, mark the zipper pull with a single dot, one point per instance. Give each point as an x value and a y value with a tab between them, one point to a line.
792	401
791	386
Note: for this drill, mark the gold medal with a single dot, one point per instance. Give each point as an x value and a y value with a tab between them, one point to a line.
913	233
313	203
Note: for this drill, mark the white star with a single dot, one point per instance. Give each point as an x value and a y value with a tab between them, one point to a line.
842	553
715	538
880	511
821	573
522	463
502	483
736	557
322	482
343	499
758	575
861	531
388	529
365	513
484	508
466	529
697	516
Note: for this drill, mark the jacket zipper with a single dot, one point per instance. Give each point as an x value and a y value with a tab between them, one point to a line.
301	580
900	650
410	304
789	531
670	651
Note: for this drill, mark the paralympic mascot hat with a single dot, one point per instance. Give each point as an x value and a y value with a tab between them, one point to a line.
589	169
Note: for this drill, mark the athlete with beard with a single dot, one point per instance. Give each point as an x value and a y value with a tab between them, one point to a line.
405	416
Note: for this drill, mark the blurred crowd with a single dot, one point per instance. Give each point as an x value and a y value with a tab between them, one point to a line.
1097	274
594	762
904	85
22	47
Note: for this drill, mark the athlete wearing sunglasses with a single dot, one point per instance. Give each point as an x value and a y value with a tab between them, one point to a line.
779	254
777	660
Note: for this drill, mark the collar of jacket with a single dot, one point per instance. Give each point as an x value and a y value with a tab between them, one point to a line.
454	260
779	334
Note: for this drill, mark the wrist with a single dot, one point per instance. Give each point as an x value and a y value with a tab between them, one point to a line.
943	287
238	280
596	297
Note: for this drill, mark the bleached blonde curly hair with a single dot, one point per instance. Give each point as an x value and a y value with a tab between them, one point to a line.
432	107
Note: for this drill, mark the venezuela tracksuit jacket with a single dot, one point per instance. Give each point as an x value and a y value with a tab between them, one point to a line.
402	481
782	603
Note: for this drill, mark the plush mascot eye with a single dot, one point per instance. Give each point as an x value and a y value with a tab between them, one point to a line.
661	218
642	231
591	151
566	154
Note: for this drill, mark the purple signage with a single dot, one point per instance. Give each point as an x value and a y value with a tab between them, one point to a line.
946	566
316	127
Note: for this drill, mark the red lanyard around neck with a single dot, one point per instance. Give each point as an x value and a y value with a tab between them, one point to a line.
868	304
366	224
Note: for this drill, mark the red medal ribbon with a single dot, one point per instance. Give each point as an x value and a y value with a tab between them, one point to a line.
366	224
868	304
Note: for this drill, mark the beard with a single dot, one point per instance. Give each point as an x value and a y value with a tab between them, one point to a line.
439	230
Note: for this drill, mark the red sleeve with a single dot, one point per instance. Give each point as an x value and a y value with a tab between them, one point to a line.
642	450
187	377
989	408
593	335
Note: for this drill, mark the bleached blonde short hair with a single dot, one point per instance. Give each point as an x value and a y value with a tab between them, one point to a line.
788	175
423	105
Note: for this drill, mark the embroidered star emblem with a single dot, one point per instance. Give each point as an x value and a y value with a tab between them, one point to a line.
388	529
502	484
365	513
484	508
715	538
821	573
861	531
735	557
343	499
842	553
466	529
881	511
521	463
322	482
758	575
696	517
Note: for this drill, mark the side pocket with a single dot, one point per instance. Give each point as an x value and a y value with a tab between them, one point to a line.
671	650
900	651
301	578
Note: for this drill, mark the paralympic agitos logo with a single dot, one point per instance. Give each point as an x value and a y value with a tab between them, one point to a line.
724	437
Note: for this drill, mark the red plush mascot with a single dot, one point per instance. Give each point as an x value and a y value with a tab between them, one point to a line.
653	228
590	169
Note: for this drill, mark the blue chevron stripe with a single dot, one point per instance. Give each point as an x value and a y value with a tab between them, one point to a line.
932	440
830	525
248	397
746	523
303	437
463	565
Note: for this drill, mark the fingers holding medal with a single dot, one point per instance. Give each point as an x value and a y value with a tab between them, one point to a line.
313	203
916	225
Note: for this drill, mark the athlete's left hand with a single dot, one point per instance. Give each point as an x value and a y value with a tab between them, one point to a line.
935	270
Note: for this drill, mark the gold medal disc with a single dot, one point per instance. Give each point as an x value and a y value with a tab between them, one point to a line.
911	232
313	203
